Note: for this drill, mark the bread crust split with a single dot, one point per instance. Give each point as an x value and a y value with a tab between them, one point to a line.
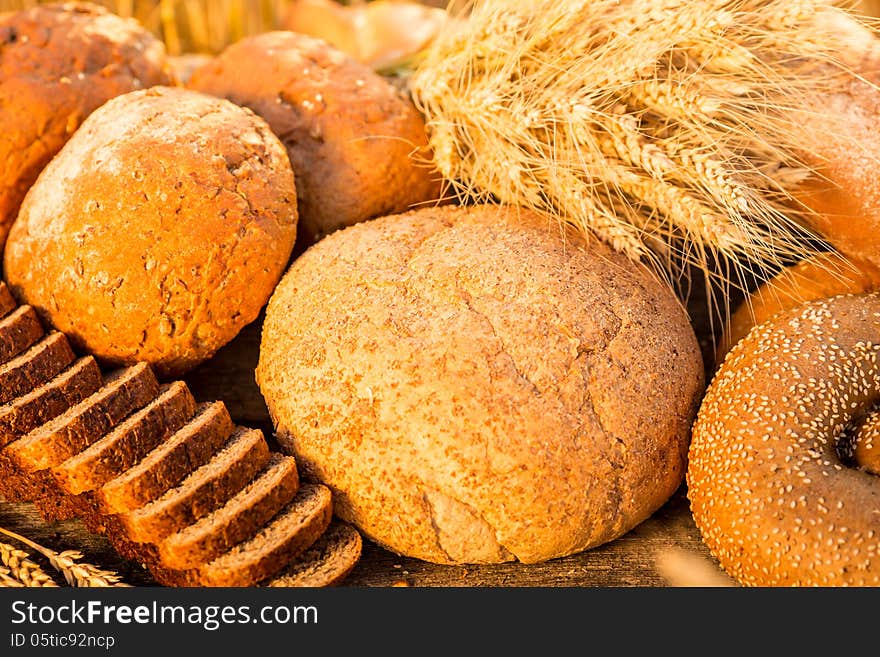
173	484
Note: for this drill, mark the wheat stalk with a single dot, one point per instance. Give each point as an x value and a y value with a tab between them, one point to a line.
19	568
668	128
69	565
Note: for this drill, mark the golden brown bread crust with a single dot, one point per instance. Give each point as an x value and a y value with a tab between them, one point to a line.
58	63
475	388
159	231
842	120
820	276
357	144
768	491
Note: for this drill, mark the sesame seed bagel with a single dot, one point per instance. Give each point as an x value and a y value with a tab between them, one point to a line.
770	489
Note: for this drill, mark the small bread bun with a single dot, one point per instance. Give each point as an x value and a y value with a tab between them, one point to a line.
820	276
358	144
477	386
844	193
158	231
768	490
58	63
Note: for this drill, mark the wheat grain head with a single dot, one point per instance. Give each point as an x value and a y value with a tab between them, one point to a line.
669	128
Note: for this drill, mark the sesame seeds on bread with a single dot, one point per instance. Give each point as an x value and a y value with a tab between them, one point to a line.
774	498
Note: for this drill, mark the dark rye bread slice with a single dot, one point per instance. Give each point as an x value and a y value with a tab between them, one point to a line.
327	562
124	392
7	301
19	330
31	369
128	442
167	465
206	489
48	401
236	521
288	534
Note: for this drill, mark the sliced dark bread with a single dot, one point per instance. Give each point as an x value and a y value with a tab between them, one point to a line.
19	330
7	301
208	488
236	521
32	368
124	392
128	442
26	413
288	534
326	562
167	465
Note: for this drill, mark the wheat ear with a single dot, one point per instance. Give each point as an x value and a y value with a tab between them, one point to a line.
699	105
69	565
19	568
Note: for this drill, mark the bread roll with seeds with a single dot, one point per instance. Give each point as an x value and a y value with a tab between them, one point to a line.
776	498
158	231
58	63
358	144
477	386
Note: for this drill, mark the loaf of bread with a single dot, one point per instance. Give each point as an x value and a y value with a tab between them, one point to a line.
158	231
357	144
841	119
58	63
172	483
476	385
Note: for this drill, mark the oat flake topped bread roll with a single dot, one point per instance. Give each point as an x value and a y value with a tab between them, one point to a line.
58	63
158	231
477	387
358	145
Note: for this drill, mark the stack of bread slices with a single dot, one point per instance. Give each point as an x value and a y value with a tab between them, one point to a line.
173	483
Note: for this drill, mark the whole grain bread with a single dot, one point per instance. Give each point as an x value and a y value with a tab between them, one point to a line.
293	530
501	348
168	464
124	391
327	562
19	331
201	230
45	402
231	513
206	489
357	144
58	63
128	442
31	369
7	301
237	520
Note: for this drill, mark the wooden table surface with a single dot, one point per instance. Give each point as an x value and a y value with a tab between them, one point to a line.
629	561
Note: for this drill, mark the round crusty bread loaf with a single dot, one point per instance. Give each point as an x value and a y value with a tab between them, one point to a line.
58	63
477	387
358	145
158	231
